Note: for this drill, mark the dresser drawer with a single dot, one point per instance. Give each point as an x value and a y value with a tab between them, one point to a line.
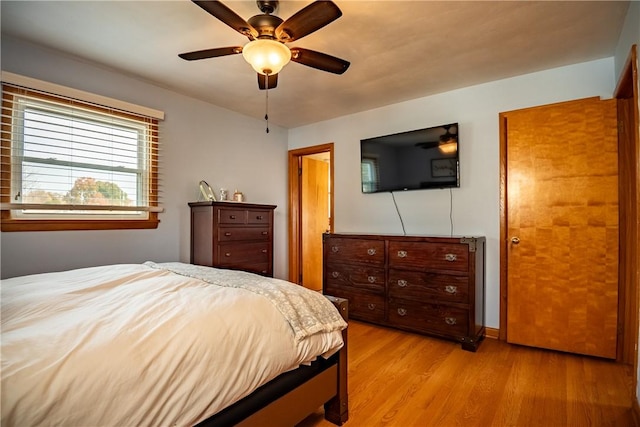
434	318
355	276
431	256
255	216
362	305
261	268
232	234
234	254
355	250
232	216
426	287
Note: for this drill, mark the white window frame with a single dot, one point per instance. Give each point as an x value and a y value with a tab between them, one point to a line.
141	172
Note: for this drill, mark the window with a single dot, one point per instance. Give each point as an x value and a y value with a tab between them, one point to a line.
369	171
72	165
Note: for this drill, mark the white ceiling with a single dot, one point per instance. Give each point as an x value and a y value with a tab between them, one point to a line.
399	50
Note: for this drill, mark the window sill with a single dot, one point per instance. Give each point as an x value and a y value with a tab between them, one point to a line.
62	225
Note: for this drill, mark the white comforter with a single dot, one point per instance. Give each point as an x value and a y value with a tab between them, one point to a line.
131	344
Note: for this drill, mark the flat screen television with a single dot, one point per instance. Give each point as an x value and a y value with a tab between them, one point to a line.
413	160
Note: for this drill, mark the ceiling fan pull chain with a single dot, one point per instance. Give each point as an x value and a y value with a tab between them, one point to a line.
266	114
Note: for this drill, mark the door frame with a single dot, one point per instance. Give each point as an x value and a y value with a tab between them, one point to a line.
295	204
629	195
628	288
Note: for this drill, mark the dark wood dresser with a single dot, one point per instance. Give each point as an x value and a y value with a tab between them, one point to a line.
429	285
233	235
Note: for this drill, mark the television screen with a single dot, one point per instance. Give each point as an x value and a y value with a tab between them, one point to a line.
413	160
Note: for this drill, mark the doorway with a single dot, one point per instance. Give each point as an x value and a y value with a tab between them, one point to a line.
310	212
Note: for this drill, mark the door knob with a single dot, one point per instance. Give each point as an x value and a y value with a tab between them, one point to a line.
515	240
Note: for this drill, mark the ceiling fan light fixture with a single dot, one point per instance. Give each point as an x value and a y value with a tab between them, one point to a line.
266	56
448	147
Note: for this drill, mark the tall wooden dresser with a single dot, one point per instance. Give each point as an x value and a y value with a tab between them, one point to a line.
430	285
233	235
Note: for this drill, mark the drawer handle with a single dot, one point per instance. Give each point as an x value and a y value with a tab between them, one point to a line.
371	251
335	274
371	279
334	249
264	233
371	306
402	254
264	271
451	257
232	217
402	283
450	289
227	234
259	217
402	311
228	254
264	251
450	321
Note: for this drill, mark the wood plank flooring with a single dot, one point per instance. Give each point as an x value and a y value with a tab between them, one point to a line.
404	379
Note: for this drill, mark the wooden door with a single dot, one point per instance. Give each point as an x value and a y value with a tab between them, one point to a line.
315	219
562	226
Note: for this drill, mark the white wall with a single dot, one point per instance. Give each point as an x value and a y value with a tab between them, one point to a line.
476	202
199	141
629	35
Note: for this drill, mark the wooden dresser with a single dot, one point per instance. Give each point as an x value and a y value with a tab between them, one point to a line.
233	235
430	285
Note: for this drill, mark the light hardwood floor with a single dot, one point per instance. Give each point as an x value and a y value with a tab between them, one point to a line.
404	379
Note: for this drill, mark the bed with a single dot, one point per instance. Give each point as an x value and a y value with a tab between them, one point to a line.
169	344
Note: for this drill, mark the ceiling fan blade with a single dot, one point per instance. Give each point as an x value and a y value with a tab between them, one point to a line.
319	60
228	16
267	82
307	20
428	145
211	53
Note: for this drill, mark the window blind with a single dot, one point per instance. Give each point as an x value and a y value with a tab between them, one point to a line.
67	158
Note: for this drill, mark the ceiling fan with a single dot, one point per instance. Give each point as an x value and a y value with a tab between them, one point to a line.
447	142
267	32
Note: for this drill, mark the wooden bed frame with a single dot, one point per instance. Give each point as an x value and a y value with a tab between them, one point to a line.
294	395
